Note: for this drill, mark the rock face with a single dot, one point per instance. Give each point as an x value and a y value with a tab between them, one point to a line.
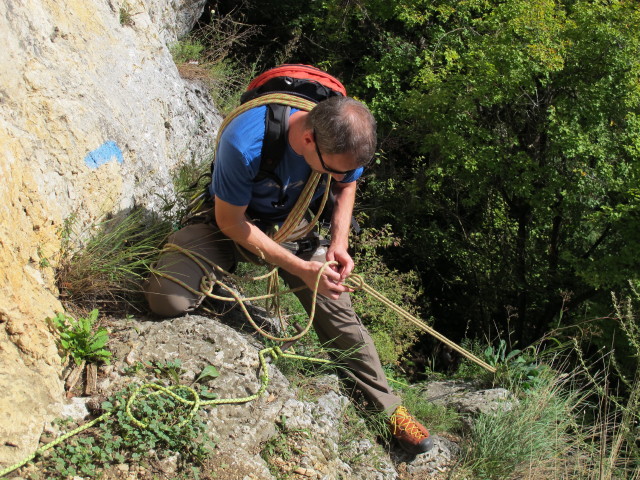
93	119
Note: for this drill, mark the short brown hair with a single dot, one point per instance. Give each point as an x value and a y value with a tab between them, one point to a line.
344	125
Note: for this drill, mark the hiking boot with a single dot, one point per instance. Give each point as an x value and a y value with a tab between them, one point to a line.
411	435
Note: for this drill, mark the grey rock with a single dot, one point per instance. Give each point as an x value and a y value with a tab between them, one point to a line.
436	460
75	408
467	398
313	428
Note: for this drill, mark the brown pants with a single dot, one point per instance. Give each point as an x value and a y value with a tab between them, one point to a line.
335	322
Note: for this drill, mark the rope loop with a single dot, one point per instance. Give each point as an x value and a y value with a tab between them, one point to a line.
158	389
355	281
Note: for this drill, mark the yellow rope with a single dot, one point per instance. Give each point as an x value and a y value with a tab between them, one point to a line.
290	230
195	402
356	282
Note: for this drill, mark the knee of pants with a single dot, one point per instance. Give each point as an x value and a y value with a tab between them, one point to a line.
168	302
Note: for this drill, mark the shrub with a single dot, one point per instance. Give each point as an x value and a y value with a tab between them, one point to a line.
392	336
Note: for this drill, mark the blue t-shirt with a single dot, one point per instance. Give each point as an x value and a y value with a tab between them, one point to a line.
238	162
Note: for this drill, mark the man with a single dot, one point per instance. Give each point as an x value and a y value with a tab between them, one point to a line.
337	137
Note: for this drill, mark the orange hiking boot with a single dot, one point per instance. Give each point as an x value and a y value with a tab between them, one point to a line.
411	435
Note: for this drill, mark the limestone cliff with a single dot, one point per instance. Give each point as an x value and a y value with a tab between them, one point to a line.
93	117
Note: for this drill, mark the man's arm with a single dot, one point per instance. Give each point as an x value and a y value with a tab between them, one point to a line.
345	196
234	224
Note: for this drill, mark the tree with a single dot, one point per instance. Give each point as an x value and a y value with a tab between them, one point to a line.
523	116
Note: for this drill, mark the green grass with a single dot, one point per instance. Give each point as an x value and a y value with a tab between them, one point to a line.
108	269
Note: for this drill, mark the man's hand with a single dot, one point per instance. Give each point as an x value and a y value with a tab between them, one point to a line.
345	262
233	223
330	284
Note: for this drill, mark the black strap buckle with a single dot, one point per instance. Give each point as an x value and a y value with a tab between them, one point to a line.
308	244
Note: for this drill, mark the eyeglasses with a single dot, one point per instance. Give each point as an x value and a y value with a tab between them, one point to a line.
324	165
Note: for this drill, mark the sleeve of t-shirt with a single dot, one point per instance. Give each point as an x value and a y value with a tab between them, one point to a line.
357	173
231	175
238	158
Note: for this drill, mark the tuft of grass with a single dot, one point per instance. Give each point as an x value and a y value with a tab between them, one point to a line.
436	418
126	17
540	431
107	270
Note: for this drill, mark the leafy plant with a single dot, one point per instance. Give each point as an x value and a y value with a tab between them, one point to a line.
80	339
170	369
117	440
520	370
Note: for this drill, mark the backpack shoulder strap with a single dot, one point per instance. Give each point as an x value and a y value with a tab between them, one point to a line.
284	100
275	139
274	146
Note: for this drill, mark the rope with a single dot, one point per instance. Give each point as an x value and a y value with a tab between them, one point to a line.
353	281
291	231
52	444
356	282
195	402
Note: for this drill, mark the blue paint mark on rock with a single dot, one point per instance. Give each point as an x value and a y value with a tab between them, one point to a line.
105	153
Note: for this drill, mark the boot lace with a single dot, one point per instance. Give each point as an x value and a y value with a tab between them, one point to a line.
402	420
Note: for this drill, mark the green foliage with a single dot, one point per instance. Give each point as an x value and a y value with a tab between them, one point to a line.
170	369
80	339
517	369
392	336
126	17
206	55
187	50
208	373
117	440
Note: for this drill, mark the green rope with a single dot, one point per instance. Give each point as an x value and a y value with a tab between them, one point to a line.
194	402
52	444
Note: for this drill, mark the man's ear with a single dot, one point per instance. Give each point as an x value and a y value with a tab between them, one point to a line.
308	137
